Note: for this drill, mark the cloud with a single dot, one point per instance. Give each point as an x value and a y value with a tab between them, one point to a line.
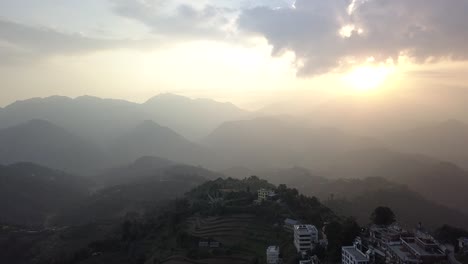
424	30
179	18
309	29
21	43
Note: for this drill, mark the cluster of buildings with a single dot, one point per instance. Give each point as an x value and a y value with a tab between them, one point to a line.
393	244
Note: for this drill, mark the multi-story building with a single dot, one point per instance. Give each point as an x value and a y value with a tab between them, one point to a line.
352	255
265	194
273	255
305	237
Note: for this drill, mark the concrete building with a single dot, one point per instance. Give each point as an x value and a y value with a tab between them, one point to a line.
305	237
273	255
352	255
397	246
417	250
265	194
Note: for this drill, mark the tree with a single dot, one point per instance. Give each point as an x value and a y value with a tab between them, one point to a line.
351	230
383	216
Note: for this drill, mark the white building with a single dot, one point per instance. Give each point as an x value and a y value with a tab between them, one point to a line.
265	194
305	237
272	254
352	255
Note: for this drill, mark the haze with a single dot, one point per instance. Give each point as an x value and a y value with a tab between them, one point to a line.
251	53
193	131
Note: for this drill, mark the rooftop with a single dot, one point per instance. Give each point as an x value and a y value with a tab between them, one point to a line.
290	221
356	253
402	253
305	228
420	250
273	249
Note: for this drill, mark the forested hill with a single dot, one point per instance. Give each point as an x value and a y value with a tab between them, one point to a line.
222	210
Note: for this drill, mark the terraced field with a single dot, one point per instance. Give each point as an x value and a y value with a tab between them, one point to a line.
230	230
244	234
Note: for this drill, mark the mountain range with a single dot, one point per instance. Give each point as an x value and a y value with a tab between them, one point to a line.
88	135
102	119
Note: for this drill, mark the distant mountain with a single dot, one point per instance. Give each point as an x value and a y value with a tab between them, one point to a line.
446	141
151	139
89	117
273	142
374	162
193	118
103	119
441	182
32	195
358	197
44	143
410	208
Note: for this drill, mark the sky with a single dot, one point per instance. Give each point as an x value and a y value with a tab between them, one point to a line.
251	53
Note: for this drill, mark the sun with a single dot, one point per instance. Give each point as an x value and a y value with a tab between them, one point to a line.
368	78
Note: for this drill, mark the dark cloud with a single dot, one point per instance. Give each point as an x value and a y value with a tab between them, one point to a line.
422	29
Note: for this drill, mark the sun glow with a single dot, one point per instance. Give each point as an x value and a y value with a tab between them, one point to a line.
368	78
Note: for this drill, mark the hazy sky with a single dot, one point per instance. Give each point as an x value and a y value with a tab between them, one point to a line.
249	52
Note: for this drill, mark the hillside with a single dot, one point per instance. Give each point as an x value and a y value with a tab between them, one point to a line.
31	194
44	143
170	234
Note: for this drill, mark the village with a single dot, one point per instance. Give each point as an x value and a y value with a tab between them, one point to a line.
377	244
